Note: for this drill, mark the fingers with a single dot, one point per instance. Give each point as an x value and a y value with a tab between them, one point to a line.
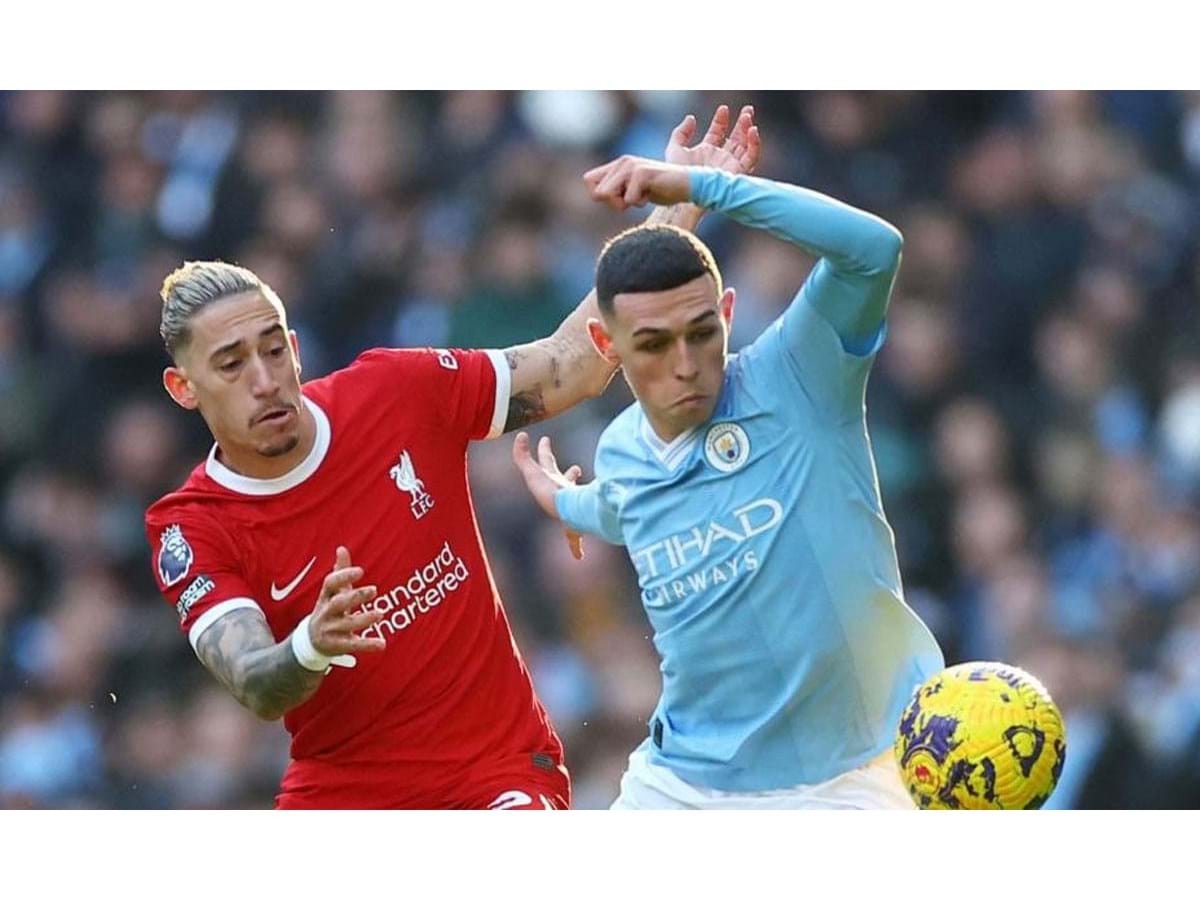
597	176
717	127
345	601
632	181
549	462
745	143
338	592
537	480
599	180
752	150
546	455
592	177
606	184
741	128
684	131
360	645
635	189
332	615
340	578
342	645
330	636
520	451
575	543
612	187
359	621
335	628
343	574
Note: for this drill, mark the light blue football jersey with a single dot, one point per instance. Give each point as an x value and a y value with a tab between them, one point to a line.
765	562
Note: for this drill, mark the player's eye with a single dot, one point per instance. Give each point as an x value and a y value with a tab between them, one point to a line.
276	352
655	346
702	335
231	366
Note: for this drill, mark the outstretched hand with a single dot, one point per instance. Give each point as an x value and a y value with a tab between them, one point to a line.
334	626
634	181
736	151
544	480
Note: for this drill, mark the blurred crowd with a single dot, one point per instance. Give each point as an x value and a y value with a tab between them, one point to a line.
1035	412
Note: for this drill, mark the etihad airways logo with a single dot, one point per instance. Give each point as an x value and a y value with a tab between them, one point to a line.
659	565
421	593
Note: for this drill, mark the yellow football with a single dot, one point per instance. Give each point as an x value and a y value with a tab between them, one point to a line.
981	735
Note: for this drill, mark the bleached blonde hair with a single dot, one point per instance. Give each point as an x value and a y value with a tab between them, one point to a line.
193	286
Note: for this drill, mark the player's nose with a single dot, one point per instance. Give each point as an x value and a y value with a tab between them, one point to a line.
686	365
262	380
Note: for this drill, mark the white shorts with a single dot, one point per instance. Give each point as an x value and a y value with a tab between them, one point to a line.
876	785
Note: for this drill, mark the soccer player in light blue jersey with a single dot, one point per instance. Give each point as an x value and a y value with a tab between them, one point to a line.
744	489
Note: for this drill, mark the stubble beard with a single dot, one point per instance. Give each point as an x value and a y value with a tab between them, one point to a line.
281	449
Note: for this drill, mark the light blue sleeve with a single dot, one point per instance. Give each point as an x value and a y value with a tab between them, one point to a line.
859	252
592	508
835	324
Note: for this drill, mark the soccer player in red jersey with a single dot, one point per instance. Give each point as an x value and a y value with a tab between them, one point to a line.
325	560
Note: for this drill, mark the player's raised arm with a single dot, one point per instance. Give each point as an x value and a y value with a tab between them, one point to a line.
270	678
860	253
553	374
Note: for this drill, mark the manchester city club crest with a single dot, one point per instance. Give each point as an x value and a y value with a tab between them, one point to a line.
174	557
726	446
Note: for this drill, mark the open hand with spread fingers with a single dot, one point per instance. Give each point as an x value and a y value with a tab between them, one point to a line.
333	627
635	181
735	151
544	480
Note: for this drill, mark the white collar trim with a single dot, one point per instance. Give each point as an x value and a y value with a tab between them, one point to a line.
261	487
670	454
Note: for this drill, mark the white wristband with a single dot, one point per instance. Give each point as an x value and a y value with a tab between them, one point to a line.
306	654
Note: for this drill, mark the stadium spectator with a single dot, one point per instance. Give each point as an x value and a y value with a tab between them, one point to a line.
1035	410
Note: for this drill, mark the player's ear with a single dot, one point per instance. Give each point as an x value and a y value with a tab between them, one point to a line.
602	340
179	386
295	342
725	306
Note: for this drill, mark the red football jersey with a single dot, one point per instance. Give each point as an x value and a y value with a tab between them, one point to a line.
449	703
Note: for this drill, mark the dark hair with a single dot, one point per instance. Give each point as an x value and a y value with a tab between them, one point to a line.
651	258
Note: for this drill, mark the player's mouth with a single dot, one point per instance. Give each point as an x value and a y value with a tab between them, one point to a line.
274	416
691	400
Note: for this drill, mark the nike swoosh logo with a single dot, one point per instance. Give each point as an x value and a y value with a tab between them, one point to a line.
281	593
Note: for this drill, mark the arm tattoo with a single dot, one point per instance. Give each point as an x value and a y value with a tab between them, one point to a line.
264	676
681	215
525	408
555	373
529	406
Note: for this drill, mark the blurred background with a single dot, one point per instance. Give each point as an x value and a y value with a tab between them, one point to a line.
1035	412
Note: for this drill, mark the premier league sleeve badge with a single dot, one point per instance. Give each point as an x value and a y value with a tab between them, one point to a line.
174	556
